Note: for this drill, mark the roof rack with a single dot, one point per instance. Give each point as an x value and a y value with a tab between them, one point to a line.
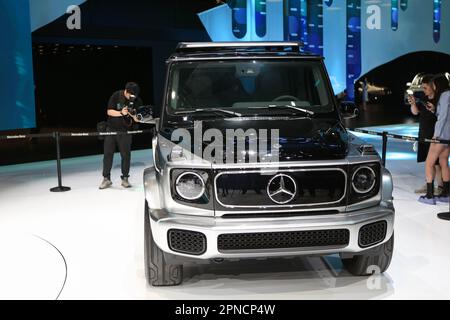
240	46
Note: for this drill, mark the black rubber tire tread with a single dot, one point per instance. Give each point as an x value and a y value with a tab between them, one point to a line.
380	256
158	271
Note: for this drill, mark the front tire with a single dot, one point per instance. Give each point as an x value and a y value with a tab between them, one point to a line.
376	260
158	271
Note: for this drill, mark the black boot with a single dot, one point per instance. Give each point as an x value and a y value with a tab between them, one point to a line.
446	190
430	190
444	195
429	197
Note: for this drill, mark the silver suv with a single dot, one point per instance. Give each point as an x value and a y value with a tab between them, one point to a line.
251	160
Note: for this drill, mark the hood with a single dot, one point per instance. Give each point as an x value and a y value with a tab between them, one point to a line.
298	138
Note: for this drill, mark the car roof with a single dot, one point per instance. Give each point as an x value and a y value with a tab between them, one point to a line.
240	50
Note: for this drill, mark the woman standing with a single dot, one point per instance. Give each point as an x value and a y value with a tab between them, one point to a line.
439	151
427	121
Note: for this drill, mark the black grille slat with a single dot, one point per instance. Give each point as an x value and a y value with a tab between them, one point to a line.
279	240
188	242
372	234
279	214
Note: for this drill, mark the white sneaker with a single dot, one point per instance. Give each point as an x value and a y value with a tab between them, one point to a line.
125	183
106	183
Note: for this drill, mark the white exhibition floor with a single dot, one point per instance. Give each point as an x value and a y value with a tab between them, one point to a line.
88	244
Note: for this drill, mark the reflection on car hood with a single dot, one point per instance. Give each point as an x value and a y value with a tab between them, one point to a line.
299	138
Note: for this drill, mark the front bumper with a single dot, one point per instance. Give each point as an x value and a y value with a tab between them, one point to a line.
162	221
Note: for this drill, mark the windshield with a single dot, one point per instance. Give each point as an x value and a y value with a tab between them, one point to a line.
243	86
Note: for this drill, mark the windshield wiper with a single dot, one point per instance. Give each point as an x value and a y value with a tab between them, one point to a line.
198	110
287	106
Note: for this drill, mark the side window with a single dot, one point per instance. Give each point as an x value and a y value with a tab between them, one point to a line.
320	88
174	95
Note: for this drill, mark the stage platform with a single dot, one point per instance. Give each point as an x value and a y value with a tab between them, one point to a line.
88	244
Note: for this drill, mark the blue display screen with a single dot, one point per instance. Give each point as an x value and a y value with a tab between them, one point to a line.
17	107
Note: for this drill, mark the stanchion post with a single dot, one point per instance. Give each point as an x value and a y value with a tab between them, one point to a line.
60	187
384	149
445	215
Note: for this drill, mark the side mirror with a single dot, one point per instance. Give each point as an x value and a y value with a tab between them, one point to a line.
349	110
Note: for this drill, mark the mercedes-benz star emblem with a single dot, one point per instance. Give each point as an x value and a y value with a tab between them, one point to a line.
282	189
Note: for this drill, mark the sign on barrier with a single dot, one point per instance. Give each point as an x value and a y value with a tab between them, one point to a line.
72	134
136	132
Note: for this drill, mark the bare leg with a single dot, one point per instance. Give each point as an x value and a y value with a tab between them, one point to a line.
439	176
443	161
433	155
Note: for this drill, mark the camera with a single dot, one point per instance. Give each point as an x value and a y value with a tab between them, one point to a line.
131	108
419	96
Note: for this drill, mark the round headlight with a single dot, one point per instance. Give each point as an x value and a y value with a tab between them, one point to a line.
190	185
363	180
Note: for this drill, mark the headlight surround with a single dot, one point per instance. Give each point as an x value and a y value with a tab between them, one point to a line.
363	180
190	186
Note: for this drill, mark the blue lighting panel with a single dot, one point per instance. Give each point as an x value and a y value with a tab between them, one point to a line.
437	20
394	14
239	17
292	20
353	45
17	106
404	4
304	21
261	18
315	26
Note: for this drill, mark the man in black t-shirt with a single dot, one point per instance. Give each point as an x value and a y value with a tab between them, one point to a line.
120	119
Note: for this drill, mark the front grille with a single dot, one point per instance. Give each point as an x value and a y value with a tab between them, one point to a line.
279	240
188	242
372	234
304	187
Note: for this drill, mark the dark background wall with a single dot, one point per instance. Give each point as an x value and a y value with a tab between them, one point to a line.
135	37
74	82
76	71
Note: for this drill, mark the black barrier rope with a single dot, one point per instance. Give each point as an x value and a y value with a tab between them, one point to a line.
398	136
58	135
98	134
115	133
72	134
60	188
26	136
386	135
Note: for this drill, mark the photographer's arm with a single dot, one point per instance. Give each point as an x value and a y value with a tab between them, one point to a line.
116	114
134	118
414	109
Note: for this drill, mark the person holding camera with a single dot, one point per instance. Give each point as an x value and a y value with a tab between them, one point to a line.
438	151
121	118
420	105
